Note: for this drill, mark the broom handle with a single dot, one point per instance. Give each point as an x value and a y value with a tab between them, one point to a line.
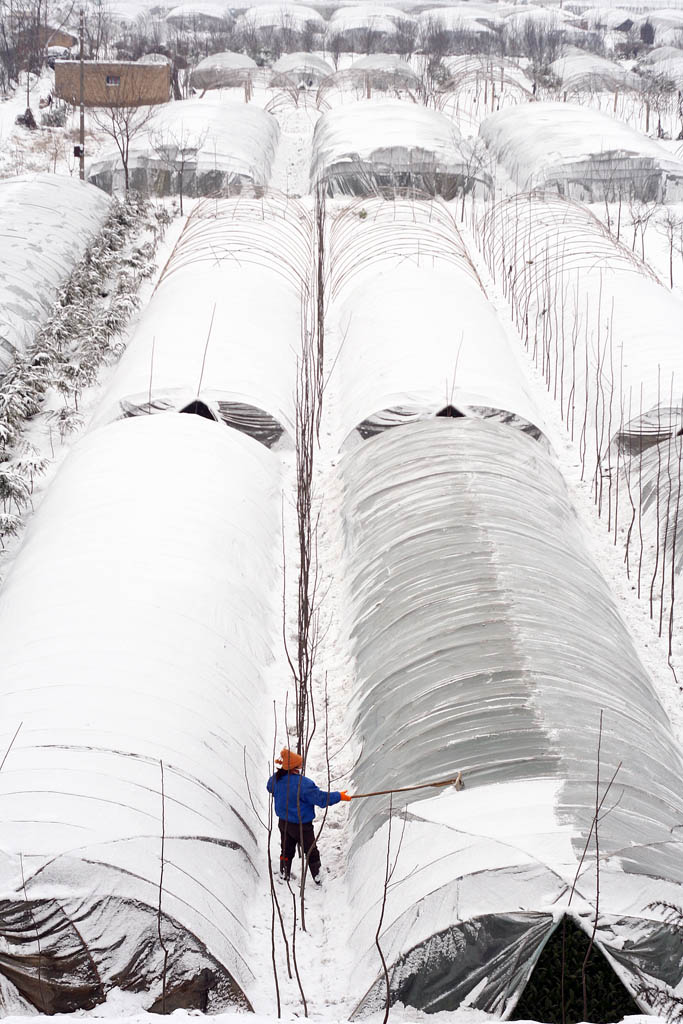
405	789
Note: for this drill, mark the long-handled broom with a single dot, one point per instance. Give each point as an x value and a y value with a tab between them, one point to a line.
456	781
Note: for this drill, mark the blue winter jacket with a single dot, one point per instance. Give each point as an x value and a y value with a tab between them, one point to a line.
296	797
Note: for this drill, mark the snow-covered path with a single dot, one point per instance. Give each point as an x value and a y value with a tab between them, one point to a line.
292	161
323	956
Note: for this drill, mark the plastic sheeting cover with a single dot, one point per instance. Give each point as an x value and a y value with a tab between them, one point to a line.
302	66
134	626
356	144
564	145
665	65
385	62
214	143
603	297
207	333
289	62
46	223
487	641
378	17
606	17
220	69
418	286
294	17
470	15
192	12
581	70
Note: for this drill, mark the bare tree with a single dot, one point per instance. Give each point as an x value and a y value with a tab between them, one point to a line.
367	40
288	32
26	30
435	39
8	56
658	94
177	150
334	45
250	40
307	40
98	28
406	37
640	215
125	117
541	43
671	226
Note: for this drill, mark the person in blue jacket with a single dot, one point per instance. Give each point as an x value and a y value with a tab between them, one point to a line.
296	798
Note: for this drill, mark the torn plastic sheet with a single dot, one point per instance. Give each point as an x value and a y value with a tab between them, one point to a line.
486	641
160	534
485	962
494	954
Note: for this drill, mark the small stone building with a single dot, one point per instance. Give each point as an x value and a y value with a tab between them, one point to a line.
113	83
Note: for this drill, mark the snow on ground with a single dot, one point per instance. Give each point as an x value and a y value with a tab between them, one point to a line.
323	953
660	240
45	149
293	157
124	1007
46	438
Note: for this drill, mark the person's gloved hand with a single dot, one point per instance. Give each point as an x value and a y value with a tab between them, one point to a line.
345	796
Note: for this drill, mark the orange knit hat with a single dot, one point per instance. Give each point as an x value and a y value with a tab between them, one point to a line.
289	760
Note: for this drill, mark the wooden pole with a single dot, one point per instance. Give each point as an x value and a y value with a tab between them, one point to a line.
456	781
81	134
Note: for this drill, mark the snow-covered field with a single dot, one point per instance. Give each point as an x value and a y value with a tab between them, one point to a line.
494	571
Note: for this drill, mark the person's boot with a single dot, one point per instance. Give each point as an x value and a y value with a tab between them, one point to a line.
285	867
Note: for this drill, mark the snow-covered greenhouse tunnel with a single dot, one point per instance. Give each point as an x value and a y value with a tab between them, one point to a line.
364	148
601	326
135	624
582	154
420	337
207	341
46	223
605	333
486	641
198	147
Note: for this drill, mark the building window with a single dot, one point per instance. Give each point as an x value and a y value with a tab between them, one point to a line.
113	79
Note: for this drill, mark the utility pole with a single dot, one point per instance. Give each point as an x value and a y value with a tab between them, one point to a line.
81	140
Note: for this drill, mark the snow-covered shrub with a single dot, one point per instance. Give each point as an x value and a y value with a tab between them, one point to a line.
81	333
55	117
47	222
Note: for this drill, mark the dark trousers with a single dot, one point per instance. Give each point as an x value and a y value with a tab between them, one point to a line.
293	834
